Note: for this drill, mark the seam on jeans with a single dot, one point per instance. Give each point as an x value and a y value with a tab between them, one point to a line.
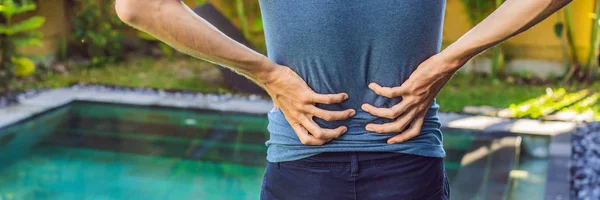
263	186
354	190
319	165
436	193
447	188
383	164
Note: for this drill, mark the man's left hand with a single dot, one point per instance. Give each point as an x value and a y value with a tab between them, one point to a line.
417	93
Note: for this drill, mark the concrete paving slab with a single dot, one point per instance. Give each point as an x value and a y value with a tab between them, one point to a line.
529	126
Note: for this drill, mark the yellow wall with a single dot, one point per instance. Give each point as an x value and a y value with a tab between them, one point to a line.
53	29
539	42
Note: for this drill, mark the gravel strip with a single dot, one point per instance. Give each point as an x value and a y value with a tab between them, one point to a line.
586	162
12	98
164	93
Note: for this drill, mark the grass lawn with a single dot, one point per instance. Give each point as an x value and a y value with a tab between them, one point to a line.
463	90
186	73
179	72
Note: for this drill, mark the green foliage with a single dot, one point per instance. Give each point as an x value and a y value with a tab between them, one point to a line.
23	66
584	105
14	35
183	73
164	48
248	15
592	60
551	102
477	11
26	25
468	90
587	70
241	13
97	32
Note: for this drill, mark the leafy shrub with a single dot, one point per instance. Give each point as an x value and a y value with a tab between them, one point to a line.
14	35
165	49
96	32
246	15
477	11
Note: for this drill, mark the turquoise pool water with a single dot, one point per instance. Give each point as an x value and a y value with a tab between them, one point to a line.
107	151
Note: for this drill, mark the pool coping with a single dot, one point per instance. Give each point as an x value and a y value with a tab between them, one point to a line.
47	100
558	179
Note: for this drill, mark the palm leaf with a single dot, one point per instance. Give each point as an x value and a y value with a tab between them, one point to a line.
26	25
25	8
24	42
3	29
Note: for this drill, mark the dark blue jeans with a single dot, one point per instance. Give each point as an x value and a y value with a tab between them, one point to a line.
357	175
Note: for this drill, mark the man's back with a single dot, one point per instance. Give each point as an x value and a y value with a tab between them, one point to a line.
342	46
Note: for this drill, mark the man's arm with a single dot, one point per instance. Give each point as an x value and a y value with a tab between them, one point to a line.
510	19
419	90
174	23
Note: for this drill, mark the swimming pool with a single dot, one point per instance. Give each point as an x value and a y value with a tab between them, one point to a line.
86	150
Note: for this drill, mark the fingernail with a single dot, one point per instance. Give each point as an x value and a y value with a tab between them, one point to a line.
364	107
352	112
390	142
345	96
344	129
369	128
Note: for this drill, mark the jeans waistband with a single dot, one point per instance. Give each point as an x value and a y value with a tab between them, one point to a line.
356	159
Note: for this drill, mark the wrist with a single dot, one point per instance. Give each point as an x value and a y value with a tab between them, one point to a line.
452	62
267	72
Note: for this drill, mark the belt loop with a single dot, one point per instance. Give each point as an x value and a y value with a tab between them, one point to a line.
354	165
278	163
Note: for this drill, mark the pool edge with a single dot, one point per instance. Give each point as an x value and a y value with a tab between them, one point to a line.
558	186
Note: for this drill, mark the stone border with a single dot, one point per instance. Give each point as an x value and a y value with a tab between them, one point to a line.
488	124
46	100
558	181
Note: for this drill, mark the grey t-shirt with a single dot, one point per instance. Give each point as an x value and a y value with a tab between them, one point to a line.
342	46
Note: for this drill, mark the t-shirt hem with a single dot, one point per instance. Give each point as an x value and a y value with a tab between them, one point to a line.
291	154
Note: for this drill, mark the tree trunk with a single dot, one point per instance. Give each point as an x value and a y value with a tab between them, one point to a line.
574	67
593	54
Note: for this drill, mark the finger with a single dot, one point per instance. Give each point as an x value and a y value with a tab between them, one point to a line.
392	127
322	133
389	92
328	115
413	131
390	113
380	112
304	137
327	98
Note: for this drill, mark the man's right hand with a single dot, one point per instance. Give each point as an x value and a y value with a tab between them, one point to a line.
297	100
175	24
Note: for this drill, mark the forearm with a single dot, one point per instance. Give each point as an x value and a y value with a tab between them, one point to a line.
174	23
512	18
